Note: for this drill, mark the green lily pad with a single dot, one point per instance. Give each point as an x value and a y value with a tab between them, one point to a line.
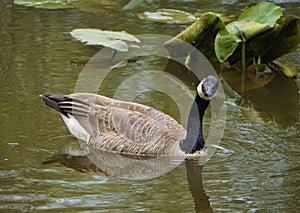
225	44
282	39
44	4
251	29
252	22
200	34
167	16
113	39
265	12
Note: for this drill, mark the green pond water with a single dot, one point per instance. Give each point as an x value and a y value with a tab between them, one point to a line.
258	171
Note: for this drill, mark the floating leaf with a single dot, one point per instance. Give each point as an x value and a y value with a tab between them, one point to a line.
112	39
44	4
167	16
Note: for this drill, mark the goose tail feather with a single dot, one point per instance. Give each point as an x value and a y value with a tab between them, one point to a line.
66	105
53	100
74	113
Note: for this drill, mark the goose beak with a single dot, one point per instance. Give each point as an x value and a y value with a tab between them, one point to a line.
208	87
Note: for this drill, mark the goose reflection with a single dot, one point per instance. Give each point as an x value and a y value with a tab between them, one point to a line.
195	184
81	157
76	155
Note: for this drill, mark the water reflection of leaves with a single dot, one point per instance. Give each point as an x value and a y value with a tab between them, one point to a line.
257	76
277	101
273	97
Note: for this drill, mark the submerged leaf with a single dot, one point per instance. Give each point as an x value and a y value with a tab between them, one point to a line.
167	16
112	39
44	4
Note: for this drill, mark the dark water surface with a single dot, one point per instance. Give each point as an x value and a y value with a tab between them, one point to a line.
260	172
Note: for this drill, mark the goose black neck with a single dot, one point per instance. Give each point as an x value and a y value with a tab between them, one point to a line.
194	139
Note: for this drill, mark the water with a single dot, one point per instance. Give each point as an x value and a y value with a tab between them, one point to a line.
260	172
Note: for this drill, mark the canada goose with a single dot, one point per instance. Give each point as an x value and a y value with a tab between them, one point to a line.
133	128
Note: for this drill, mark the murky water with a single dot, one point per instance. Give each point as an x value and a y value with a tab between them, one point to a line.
260	172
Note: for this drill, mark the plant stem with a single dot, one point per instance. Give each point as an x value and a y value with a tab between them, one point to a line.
243	66
243	38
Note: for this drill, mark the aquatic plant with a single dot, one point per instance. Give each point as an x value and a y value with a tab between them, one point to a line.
258	36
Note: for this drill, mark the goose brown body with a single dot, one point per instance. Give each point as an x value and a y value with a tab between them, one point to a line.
120	126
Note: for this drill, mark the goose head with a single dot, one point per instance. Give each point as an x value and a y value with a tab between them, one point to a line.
207	88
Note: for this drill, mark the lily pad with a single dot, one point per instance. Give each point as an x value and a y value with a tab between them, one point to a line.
167	16
251	29
44	4
280	40
252	22
113	39
200	34
225	44
265	12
